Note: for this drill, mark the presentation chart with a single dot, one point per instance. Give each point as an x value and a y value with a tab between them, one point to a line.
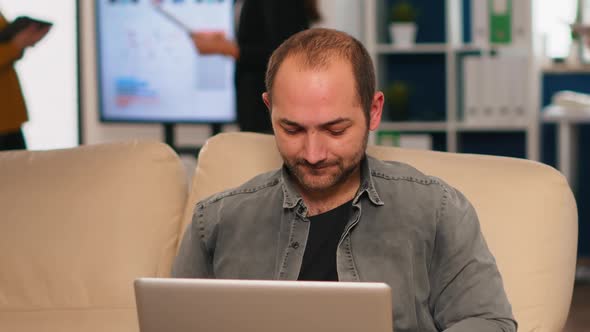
149	69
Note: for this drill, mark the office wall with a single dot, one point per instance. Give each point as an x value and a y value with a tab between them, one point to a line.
345	15
48	74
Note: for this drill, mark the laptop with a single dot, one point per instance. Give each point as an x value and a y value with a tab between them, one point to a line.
211	305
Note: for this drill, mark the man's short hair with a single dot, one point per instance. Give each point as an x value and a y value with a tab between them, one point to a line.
315	48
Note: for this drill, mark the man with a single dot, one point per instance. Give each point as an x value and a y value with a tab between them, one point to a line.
13	111
333	213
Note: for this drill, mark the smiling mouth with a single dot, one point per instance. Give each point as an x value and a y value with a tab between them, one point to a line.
318	166
317	170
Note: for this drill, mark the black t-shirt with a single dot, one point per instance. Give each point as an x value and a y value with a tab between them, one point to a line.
319	258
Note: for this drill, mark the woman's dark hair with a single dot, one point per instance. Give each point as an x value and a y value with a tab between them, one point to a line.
312	10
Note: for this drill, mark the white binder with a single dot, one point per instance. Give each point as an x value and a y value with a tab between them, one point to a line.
471	99
480	30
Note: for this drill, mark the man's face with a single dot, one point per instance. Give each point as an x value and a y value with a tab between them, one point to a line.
319	124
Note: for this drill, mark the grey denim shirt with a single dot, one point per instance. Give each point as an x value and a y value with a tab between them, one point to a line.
411	231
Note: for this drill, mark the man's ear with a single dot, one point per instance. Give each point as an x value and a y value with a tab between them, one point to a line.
376	110
266	99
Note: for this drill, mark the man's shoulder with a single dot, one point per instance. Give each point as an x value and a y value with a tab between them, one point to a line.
259	184
395	171
400	177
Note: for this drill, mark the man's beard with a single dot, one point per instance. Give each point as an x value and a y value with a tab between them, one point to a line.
306	174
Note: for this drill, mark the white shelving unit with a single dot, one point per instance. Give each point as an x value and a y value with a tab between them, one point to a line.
453	126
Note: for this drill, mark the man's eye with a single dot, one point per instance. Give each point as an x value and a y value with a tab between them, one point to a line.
338	132
292	130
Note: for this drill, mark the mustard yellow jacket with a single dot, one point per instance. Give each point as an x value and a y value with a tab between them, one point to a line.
13	111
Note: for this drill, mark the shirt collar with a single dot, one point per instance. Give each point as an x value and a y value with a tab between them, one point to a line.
292	198
367	183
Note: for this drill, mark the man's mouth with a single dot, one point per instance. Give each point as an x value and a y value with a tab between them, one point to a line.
317	167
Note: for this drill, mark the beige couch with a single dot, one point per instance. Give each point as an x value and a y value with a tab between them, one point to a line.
78	225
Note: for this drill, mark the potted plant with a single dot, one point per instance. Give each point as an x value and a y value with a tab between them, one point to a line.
397	100
402	27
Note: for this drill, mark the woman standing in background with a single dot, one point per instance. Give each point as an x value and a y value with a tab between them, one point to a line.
13	111
263	26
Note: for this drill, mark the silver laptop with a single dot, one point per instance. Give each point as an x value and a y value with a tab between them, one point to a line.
211	305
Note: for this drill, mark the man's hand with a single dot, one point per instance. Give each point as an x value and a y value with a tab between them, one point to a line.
30	36
214	43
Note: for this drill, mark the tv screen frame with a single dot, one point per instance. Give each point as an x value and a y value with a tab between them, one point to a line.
197	118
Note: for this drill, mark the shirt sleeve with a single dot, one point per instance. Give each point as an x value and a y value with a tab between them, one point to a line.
9	53
467	292
193	259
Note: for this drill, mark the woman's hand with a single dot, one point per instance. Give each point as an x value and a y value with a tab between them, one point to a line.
30	36
214	42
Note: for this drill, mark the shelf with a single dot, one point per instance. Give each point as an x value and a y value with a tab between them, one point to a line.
567	69
435	126
472	127
427	48
417	48
470	48
440	126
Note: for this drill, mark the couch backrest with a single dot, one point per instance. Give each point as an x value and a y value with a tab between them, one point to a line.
526	210
78	226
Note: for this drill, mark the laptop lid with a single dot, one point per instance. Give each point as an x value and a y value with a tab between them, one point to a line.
183	305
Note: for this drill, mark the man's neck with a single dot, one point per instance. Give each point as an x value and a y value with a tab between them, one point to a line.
321	201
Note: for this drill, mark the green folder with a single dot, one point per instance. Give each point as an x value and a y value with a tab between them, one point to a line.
500	21
387	137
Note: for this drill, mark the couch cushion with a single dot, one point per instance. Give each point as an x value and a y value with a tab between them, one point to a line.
79	225
70	320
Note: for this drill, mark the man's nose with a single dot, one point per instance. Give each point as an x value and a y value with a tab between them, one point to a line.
314	149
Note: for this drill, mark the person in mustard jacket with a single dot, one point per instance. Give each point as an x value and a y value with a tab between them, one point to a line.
13	111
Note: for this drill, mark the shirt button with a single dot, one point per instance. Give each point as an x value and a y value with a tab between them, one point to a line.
295	245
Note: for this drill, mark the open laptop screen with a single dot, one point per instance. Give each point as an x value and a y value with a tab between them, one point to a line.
185	305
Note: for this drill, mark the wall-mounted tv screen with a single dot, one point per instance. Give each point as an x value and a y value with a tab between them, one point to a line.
149	69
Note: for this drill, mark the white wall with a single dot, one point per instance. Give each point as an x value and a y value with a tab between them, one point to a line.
552	19
48	74
344	15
